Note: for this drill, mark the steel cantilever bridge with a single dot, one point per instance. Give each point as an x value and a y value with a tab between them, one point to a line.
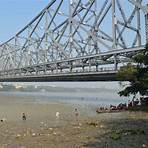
76	40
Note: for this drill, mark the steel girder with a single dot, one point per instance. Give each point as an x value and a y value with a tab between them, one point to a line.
90	35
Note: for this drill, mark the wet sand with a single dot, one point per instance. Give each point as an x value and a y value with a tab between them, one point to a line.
43	130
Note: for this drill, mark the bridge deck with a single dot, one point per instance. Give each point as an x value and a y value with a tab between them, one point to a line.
84	76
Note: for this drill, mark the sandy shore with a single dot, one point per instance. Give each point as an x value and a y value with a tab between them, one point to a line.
43	130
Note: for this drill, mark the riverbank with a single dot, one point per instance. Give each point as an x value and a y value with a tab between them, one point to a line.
43	130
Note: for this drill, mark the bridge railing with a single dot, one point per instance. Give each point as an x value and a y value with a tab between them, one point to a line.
13	74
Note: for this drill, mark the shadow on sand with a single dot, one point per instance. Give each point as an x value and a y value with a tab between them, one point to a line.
123	133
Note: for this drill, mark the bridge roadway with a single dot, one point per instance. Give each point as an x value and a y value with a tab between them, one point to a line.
109	75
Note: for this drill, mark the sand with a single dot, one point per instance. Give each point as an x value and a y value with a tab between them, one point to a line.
43	129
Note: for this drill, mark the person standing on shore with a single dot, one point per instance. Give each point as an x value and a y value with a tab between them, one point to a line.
57	115
24	117
76	115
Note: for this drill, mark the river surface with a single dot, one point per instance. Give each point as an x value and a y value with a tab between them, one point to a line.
80	93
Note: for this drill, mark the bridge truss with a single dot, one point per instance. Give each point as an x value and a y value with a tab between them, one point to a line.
76	38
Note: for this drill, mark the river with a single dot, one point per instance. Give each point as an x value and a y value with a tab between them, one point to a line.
78	93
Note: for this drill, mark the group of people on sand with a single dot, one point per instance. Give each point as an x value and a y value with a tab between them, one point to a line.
124	106
76	113
133	102
24	118
121	106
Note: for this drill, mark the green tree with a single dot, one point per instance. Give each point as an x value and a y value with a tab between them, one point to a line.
136	74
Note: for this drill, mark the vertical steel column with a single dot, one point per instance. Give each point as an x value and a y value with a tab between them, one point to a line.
114	32
89	60
57	68
96	29
113	24
52	56
138	26
28	52
70	24
146	26
83	66
46	36
45	69
71	66
97	67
